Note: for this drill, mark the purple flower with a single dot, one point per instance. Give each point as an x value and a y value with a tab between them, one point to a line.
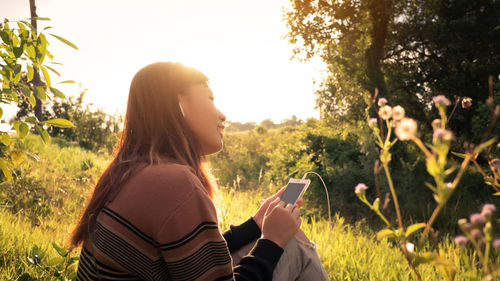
496	243
382	101
361	187
372	122
461	240
488	210
477	219
495	164
442	134
476	233
441	100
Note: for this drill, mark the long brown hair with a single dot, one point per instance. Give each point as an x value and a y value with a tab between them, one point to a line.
154	132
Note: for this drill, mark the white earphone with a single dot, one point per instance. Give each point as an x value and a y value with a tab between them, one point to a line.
182	111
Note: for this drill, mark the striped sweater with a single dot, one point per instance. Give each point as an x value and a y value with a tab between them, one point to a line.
163	226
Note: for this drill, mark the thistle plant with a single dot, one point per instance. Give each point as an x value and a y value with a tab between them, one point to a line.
446	176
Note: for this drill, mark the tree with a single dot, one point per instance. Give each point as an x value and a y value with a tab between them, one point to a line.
408	50
24	49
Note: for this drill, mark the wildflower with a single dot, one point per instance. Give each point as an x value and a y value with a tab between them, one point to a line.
442	135
410	247
496	243
490	207
385	112
441	100
477	219
488	210
382	101
495	164
436	124
372	122
476	233
460	240
406	129
398	112
361	187
466	102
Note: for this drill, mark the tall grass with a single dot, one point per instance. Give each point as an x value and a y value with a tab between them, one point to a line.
41	206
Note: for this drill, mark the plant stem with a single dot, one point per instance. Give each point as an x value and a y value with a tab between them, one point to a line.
393	192
434	215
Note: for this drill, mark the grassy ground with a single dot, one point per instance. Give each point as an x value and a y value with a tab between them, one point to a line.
41	206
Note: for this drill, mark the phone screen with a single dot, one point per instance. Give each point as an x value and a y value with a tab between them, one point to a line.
292	192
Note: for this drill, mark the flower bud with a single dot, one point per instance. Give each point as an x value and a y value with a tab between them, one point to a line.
436	124
466	102
406	129
442	135
476	233
496	243
398	112
477	219
495	164
441	100
382	102
360	188
372	122
385	112
460	240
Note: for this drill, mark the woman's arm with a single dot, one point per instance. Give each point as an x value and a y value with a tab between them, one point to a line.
240	235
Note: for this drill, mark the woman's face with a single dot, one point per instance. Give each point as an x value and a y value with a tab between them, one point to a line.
202	117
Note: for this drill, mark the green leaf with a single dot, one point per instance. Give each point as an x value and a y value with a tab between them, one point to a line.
23	130
5	37
461	155
31	119
30	50
61	251
496	194
53	70
43	133
4	166
385	233
45	75
30	72
40	93
59	122
484	145
65	41
425	258
5	139
32	100
67	81
17	157
414	227
1	112
39	18
57	93
18	51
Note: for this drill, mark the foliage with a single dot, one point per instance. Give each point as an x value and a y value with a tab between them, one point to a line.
350	254
400	47
446	176
94	129
24	49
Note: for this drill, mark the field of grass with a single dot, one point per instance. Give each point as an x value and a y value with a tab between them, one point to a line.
41	206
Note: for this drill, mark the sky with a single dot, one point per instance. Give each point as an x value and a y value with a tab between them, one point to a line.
238	44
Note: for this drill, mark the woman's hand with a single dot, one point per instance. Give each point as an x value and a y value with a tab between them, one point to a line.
259	216
280	222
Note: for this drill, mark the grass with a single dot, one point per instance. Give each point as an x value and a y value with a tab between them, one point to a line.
41	206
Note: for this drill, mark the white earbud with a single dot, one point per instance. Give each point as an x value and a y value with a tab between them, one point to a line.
182	111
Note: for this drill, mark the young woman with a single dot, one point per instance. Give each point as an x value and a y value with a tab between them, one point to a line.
151	215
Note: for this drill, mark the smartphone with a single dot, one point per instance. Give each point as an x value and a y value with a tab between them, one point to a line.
294	190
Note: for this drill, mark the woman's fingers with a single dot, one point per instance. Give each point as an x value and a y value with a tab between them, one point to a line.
296	213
